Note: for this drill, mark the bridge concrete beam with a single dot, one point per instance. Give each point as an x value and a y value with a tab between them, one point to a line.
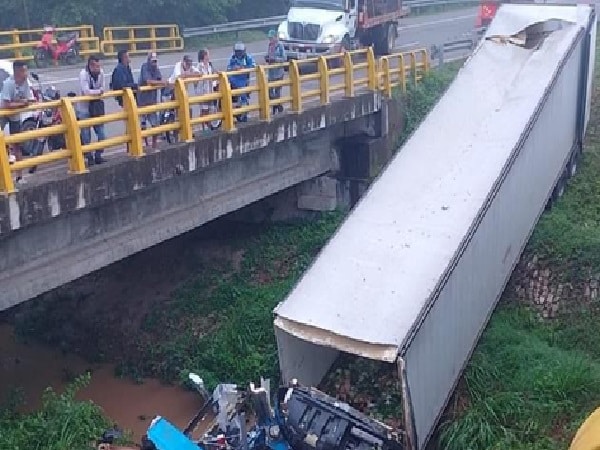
55	232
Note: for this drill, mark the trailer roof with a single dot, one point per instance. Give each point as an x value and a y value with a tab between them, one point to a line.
370	286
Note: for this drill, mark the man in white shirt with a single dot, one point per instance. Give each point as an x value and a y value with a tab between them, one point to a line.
185	69
91	81
16	94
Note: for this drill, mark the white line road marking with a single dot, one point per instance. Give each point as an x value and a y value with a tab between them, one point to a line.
435	22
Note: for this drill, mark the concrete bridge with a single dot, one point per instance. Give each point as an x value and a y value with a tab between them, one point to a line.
63	228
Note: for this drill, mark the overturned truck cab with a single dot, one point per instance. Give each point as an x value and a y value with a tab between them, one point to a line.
415	271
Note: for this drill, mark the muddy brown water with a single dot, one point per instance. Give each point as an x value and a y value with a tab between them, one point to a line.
33	367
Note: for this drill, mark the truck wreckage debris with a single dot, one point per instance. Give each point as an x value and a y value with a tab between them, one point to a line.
303	418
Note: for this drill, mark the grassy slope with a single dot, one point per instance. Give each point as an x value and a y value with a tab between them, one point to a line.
531	382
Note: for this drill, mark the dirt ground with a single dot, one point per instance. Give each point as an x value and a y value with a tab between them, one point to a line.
100	316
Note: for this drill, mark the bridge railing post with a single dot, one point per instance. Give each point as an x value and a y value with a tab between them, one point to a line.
426	62
402	74
263	93
7	185
72	136
372	70
348	75
323	79
183	113
413	67
296	88
387	77
226	102
133	126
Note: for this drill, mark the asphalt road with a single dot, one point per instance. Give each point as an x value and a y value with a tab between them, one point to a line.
415	32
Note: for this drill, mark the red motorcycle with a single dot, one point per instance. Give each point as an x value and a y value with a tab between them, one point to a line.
66	48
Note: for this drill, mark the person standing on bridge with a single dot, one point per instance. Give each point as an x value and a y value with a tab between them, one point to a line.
185	69
16	94
122	77
275	55
150	75
206	87
91	81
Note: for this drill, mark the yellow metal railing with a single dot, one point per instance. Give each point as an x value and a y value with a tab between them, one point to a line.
141	39
397	69
19	44
357	70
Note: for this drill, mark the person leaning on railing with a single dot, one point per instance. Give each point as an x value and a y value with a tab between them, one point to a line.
122	77
16	94
91	81
206	87
150	75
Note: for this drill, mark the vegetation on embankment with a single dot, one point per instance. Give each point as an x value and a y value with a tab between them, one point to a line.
536	372
62	423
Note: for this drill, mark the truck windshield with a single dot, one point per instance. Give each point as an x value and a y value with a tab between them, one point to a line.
336	5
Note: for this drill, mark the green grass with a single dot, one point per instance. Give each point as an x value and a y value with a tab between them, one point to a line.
220	325
62	423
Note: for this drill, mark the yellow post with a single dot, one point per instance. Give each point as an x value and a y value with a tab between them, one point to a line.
413	67
263	93
183	111
153	37
133	127
402	72
108	37
85	46
72	136
425	60
348	75
323	80
16	41
226	103
132	43
7	185
173	34
387	78
372	69
296	87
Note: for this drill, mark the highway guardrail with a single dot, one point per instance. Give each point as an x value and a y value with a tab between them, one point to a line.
19	44
141	39
253	24
357	70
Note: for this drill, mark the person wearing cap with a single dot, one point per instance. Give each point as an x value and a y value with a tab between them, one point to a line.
150	75
185	69
275	55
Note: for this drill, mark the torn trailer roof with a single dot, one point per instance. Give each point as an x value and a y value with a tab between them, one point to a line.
417	267
368	287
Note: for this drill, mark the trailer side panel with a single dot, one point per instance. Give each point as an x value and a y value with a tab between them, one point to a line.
445	339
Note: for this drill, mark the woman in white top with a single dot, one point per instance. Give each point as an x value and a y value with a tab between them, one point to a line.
206	87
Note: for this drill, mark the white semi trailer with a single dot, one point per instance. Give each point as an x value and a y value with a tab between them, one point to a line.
415	271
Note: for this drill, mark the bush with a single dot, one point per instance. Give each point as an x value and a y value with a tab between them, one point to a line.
62	423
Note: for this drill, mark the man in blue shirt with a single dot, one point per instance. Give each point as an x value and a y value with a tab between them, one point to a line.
240	60
122	77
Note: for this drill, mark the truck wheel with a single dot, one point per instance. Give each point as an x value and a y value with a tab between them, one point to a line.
385	39
391	36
